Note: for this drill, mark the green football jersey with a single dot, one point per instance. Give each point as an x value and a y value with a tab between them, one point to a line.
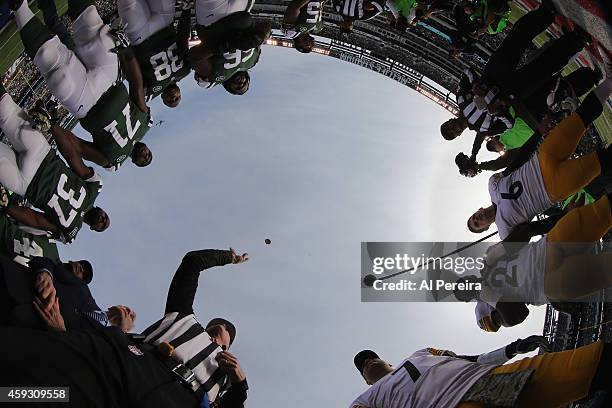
226	65
310	20
62	196
22	246
116	124
159	61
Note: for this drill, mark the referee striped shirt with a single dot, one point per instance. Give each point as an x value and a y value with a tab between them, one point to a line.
480	120
192	347
358	9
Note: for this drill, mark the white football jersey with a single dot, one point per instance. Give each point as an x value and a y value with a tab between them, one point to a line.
519	197
519	277
443	382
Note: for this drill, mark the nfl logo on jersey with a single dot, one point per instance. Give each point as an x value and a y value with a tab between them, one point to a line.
135	350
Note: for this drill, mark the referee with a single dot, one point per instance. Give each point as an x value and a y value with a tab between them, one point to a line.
175	363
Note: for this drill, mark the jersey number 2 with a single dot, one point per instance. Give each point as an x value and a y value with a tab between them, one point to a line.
165	63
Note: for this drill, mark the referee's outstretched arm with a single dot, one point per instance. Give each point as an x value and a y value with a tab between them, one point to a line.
185	281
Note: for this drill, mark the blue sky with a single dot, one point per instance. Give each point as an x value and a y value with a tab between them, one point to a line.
319	156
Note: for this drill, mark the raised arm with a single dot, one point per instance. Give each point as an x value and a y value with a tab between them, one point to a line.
31	218
183	31
480	137
184	284
501	162
133	73
74	150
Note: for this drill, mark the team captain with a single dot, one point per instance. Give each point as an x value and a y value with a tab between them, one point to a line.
87	82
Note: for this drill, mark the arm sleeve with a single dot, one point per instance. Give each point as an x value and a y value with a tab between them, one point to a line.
61	274
524	232
185	281
235	396
480	137
501	162
499	357
465	83
41	264
182	32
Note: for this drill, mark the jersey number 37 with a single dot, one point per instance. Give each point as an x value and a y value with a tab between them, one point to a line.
66	196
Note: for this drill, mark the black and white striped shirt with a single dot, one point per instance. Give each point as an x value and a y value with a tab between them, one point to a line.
478	117
192	347
358	9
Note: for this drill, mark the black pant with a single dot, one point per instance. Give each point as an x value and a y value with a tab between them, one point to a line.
501	69
53	22
581	81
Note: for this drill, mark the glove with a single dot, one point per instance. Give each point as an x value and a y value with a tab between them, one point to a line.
531	343
186	5
467	166
41	118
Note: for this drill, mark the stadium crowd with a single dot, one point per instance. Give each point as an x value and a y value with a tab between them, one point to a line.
104	71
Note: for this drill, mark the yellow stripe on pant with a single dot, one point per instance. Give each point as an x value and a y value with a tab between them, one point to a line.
559	378
564	176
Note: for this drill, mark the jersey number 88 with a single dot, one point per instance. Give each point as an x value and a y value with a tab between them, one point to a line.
165	63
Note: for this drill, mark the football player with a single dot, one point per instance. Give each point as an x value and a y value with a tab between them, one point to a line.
535	181
31	169
351	10
87	83
21	245
303	17
230	47
159	47
229	69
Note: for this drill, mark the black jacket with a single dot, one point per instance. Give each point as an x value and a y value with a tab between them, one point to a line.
75	297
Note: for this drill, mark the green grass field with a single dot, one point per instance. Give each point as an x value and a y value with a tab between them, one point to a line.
10	43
